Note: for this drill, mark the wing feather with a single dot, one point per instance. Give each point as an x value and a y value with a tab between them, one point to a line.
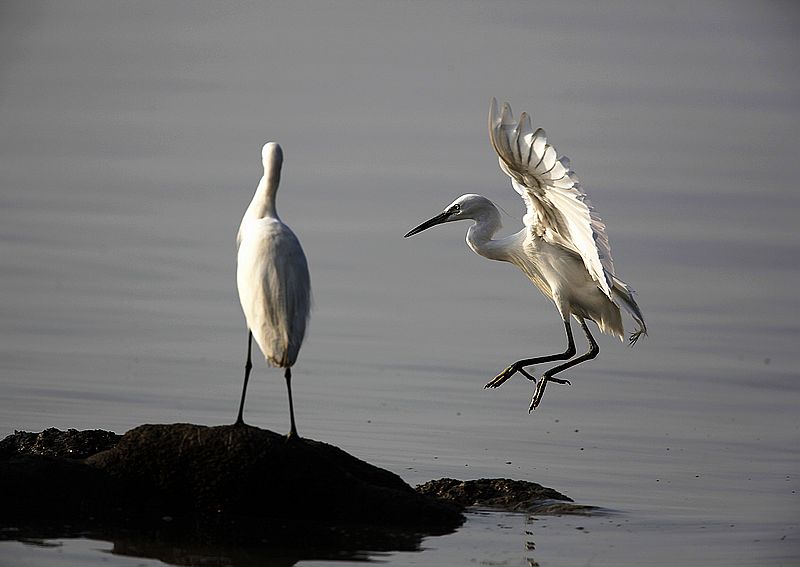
558	208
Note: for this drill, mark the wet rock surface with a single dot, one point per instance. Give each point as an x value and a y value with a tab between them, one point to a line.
227	480
237	487
71	444
241	471
504	494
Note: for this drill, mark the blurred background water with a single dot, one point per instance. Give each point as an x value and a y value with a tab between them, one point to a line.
130	138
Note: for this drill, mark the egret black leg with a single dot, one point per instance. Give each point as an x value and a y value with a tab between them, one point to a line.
548	376
247	368
293	431
519	365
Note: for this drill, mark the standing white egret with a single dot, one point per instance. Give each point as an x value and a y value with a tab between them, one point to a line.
272	278
563	247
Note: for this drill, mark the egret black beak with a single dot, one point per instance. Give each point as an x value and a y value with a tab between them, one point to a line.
438	219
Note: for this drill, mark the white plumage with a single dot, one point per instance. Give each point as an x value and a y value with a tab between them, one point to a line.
563	248
272	278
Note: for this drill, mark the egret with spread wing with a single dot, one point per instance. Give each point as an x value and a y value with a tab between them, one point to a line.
273	280
563	247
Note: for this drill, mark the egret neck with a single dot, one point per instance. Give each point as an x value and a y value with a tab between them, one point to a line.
263	203
479	235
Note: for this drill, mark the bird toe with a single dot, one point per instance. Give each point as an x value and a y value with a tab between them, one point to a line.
500	379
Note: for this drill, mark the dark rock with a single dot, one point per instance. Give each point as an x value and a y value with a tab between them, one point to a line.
71	444
51	491
231	495
503	493
226	484
242	473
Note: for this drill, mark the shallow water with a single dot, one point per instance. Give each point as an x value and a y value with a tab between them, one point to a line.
129	148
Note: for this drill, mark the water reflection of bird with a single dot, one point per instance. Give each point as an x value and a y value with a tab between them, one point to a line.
273	280
563	247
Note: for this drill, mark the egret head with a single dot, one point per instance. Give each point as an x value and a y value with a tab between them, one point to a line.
469	206
271	153
272	158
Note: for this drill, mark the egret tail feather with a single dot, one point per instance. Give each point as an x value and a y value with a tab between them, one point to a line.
625	294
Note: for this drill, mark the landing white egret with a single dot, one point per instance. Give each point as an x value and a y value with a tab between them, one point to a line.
563	247
273	280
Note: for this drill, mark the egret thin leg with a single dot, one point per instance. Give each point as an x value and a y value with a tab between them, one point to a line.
500	379
247	368
293	431
548	376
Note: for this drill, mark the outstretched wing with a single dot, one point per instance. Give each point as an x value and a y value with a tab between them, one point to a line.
558	209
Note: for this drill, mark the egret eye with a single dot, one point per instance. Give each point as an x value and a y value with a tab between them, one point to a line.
455	209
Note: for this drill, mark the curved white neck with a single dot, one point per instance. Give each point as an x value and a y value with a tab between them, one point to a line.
479	235
263	203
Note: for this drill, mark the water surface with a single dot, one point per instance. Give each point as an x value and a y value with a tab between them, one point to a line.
129	148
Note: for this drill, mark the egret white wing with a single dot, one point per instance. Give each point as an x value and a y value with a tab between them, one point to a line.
558	209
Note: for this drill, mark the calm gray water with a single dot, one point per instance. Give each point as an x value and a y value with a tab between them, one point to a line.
130	138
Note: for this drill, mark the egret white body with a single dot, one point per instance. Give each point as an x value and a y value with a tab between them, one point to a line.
563	247
273	280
